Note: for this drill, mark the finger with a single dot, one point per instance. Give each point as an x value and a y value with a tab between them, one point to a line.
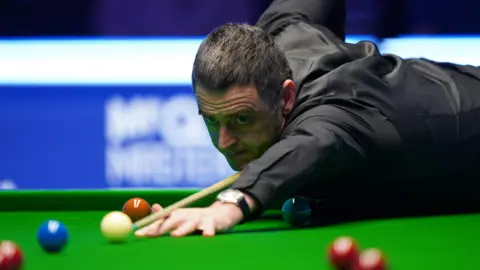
148	230
208	227
156	207
177	218
185	228
152	228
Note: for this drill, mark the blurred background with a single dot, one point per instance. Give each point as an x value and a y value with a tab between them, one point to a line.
95	94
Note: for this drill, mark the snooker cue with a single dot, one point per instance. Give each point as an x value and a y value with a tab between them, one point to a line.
225	183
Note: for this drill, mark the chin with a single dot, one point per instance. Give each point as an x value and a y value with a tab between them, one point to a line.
237	166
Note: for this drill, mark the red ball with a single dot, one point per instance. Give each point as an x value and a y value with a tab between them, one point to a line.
371	259
11	257
343	252
136	208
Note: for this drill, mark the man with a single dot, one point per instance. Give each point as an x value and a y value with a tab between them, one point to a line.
301	112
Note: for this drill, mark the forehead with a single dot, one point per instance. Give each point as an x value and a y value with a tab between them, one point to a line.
234	100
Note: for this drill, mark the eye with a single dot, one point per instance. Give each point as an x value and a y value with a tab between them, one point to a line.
242	120
210	120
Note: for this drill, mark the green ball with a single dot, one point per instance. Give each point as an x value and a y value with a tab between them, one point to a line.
296	211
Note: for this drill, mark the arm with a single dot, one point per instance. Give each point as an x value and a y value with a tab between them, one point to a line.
331	141
299	29
330	14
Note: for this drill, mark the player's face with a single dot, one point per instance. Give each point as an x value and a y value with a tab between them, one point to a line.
242	127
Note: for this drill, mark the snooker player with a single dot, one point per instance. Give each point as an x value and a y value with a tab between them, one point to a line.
299	111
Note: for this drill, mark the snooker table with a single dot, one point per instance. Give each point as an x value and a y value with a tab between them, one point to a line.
432	242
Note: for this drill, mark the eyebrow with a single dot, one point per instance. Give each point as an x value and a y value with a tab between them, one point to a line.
241	111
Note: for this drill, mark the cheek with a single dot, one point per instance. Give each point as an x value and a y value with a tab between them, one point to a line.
259	135
214	135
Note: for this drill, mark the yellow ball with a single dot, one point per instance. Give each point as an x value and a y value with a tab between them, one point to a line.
116	226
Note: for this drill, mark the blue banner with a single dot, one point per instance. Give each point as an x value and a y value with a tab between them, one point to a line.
64	137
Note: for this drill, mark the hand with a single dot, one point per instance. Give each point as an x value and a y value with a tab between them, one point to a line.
216	218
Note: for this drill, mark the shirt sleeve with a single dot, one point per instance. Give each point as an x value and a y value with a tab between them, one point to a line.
319	145
330	14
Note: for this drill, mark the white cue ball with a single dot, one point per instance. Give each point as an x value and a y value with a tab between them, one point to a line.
116	226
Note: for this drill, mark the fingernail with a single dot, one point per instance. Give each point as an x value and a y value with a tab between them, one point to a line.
176	234
140	232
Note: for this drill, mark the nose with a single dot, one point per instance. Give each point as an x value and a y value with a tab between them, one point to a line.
225	139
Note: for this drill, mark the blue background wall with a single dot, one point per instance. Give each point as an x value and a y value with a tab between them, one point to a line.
119	113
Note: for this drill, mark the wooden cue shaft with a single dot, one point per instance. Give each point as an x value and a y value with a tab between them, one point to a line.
186	201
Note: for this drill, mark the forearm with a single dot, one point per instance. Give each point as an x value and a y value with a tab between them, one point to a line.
287	166
328	144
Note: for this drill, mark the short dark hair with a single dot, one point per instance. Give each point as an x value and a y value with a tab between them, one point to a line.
241	55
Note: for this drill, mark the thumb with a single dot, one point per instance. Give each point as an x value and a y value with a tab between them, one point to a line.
156	207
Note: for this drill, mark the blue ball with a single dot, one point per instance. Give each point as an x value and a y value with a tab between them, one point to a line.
52	236
296	211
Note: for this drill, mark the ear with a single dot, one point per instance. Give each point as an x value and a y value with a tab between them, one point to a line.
288	97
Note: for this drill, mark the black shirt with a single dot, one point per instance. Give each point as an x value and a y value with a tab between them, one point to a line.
365	121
